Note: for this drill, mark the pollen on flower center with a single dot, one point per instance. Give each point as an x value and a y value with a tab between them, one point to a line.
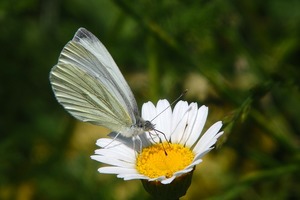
153	162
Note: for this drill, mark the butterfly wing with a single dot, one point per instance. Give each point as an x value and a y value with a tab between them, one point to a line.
89	85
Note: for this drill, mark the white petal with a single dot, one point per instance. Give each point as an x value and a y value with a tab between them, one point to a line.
168	180
183	171
157	178
113	153
179	119
191	118
194	163
148	111
131	176
200	155
134	143
197	126
209	144
112	161
117	170
162	121
209	138
108	143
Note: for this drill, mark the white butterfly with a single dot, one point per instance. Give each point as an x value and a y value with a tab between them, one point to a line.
89	85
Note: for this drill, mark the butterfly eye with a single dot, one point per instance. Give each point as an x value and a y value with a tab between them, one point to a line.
148	126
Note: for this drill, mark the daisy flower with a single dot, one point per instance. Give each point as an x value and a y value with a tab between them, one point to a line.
167	155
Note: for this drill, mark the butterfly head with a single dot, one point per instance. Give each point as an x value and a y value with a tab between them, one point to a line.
144	125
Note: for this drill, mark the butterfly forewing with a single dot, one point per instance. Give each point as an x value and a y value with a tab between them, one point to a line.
107	68
89	85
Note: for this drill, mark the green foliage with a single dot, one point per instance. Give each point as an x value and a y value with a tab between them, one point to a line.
247	51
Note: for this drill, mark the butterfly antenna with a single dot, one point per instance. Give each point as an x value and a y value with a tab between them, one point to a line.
183	93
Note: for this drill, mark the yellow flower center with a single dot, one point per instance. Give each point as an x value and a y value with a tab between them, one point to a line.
153	161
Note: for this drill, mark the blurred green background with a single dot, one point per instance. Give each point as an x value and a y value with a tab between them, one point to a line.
240	58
